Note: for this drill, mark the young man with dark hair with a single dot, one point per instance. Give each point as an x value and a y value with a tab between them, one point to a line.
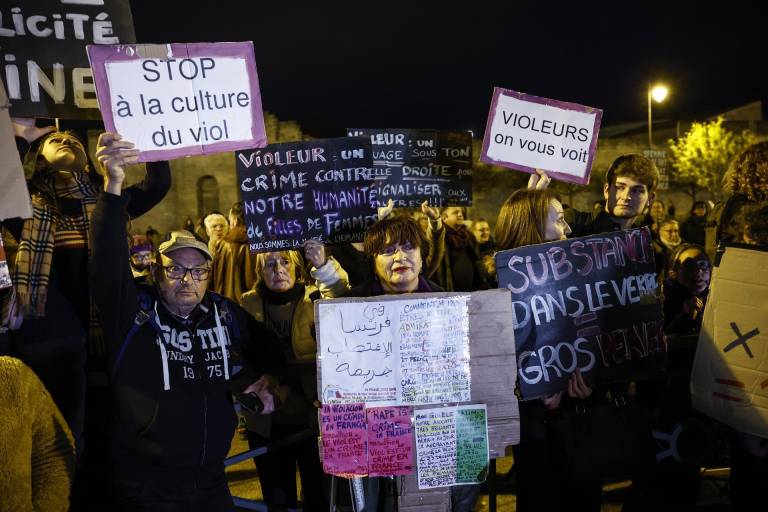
630	186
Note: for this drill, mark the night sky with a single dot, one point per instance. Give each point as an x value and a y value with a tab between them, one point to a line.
332	65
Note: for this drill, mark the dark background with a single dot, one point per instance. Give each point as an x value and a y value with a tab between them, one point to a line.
421	64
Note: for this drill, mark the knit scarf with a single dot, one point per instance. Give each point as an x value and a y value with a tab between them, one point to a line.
280	298
47	229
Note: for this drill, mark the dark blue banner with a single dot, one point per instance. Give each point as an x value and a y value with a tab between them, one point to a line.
591	303
295	191
413	166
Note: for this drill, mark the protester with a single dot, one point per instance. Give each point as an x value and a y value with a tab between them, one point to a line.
142	254
359	265
671	485
50	268
486	248
37	448
528	217
399	248
153	236
685	291
742	218
656	214
746	180
629	187
216	227
756	227
233	267
694	227
283	298
188	225
459	269
664	244
485	242
172	352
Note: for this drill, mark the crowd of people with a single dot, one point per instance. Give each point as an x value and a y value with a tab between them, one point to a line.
142	341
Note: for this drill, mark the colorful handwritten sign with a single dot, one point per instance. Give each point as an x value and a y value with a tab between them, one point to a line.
390	441
526	133
343	432
730	372
413	166
295	191
451	445
591	303
177	100
394	352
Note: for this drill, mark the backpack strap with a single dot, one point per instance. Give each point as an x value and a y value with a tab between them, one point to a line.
146	313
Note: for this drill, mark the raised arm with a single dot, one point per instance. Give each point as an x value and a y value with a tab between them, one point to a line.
332	280
112	286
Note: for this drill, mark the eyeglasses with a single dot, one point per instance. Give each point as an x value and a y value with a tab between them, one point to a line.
141	257
179	272
392	249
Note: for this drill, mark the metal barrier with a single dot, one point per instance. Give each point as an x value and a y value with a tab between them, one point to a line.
240	457
294	368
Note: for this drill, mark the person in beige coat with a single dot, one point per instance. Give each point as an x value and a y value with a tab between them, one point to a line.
283	299
37	449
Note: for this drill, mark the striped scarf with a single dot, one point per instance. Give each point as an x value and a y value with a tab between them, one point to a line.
49	229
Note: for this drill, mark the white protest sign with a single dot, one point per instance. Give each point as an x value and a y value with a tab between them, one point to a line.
451	445
180	99
526	133
407	351
14	195
730	372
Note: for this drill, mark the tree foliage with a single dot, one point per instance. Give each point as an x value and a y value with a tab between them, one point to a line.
702	155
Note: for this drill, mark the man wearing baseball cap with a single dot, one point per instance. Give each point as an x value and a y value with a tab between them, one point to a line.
172	348
142	254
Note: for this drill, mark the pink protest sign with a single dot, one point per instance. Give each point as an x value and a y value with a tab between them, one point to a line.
176	100
390	441
344	439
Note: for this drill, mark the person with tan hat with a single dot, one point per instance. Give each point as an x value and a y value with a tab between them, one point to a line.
174	350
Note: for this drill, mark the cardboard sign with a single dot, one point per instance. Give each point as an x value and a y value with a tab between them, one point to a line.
300	190
42	43
14	195
451	445
410	351
526	133
730	371
413	166
180	99
590	303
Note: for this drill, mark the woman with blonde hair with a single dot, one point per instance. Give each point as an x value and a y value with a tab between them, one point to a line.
283	298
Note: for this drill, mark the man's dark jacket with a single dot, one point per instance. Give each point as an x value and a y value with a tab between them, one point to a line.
173	416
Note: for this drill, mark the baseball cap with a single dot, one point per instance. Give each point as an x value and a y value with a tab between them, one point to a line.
140	243
183	239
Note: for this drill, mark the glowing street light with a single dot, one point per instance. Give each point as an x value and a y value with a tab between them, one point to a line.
658	93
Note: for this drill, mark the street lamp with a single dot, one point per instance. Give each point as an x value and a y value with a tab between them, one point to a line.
656	92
